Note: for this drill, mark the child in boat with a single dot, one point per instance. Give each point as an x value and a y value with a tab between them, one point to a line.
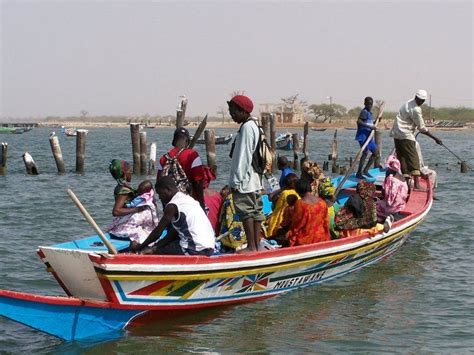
310	220
280	203
395	190
280	235
191	232
145	192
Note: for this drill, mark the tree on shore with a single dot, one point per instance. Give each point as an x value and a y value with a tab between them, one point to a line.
325	112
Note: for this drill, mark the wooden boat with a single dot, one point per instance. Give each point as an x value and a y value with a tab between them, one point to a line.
14	130
351	128
285	141
318	129
108	293
219	139
71	132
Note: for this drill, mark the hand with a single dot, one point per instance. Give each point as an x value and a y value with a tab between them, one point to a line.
373	128
134	247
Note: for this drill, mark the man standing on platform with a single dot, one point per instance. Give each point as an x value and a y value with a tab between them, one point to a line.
244	181
408	120
365	125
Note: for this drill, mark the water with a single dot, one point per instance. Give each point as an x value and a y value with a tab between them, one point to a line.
420	300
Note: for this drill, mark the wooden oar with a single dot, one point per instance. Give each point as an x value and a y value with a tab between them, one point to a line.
198	133
91	221
366	143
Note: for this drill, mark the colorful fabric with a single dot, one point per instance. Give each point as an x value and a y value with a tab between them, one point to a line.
230	221
213	201
277	215
347	218
312	172
117	169
285	171
395	196
136	226
310	223
326	189
190	161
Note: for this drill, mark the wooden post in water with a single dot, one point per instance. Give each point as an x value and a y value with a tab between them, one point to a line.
306	141
296	146
152	161
181	112
210	140
335	168
266	125
143	153
464	167
378	143
56	149
198	132
30	164
80	150
272	132
3	157
135	133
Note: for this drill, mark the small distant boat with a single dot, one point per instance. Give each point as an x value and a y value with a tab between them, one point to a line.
318	129
70	132
285	141
350	128
219	139
14	130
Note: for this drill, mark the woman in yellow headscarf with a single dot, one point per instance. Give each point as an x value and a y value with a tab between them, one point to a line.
326	191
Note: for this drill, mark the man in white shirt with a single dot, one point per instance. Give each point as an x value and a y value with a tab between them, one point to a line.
244	182
191	232
408	120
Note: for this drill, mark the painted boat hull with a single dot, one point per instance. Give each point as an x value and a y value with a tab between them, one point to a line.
129	287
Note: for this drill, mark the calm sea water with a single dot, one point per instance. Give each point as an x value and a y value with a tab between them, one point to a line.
420	300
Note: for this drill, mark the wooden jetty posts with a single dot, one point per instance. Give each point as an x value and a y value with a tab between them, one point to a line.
181	112
30	164
296	147
135	133
152	161
56	149
3	157
80	150
143	162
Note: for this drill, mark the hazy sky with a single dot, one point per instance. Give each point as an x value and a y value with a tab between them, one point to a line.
130	58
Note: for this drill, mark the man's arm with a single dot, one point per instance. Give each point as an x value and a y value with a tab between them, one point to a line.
436	139
362	120
170	212
244	151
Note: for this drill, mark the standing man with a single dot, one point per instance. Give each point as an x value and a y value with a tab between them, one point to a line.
408	120
365	125
189	161
244	182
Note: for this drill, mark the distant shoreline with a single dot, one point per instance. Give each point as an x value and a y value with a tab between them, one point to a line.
334	125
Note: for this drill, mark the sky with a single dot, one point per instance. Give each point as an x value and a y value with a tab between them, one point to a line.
137	57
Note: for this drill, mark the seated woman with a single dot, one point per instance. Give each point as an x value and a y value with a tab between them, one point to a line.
313	174
310	220
288	189
326	191
395	190
134	219
359	211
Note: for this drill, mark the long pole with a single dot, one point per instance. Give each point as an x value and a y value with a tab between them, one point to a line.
91	221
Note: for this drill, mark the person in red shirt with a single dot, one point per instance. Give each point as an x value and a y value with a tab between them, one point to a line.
190	162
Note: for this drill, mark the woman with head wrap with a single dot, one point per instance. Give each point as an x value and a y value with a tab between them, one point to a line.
313	174
359	210
326	191
395	190
134	223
